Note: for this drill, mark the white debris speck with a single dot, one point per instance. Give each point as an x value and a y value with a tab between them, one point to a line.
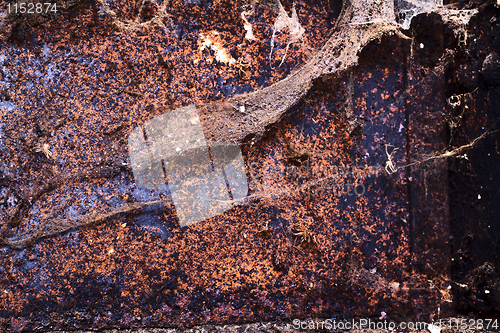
178	149
248	28
479	196
394	285
221	53
433	328
421	45
383	315
400	127
242	108
486	291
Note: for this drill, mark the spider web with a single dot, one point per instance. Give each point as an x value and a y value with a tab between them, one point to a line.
405	10
389	11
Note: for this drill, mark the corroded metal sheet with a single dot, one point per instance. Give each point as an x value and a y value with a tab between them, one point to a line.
330	218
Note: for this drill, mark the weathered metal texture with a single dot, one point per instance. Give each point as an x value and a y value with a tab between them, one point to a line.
474	181
426	107
293	249
426	103
377	94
